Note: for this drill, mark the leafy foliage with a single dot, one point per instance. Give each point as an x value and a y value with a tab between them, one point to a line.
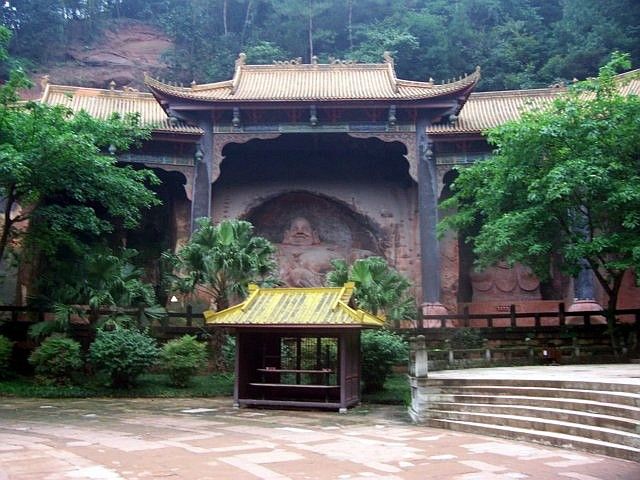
57	359
379	288
381	350
519	43
123	354
222	260
100	280
182	358
6	349
563	179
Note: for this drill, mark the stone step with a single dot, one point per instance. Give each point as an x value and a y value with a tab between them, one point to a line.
542	425
541	383
562	414
548	438
621	398
586	406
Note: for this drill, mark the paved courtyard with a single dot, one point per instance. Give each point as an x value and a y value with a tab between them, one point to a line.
113	439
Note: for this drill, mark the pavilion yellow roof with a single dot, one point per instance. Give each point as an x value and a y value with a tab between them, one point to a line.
294	81
485	110
307	307
102	103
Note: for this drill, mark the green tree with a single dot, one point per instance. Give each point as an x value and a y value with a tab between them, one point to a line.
101	280
220	261
564	179
56	176
379	288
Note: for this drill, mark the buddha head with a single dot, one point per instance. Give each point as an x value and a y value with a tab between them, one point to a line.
300	233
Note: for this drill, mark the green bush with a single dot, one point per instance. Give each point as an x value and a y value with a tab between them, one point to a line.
6	347
464	338
57	359
182	358
123	354
381	350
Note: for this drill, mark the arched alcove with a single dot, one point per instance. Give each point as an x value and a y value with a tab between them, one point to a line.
334	221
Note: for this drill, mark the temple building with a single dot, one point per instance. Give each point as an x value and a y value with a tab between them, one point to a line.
338	160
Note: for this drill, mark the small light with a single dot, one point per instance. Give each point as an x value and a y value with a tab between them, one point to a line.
174	299
112	149
199	155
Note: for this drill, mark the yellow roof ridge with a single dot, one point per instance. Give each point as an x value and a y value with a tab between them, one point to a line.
311	306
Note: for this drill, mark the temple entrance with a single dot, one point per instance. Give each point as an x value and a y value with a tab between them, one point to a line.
322	196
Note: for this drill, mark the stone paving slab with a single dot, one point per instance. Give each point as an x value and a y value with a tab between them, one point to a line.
107	439
627	373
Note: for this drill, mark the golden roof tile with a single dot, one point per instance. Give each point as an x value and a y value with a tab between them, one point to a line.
102	103
485	110
292	81
315	307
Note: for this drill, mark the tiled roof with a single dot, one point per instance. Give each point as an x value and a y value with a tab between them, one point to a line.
287	81
103	103
485	110
322	307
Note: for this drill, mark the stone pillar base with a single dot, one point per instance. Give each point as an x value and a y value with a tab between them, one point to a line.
435	308
584	305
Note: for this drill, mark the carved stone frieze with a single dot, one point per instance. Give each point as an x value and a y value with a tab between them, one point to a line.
406	138
220	140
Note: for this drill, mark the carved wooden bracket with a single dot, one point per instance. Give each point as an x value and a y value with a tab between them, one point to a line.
186	170
408	139
220	140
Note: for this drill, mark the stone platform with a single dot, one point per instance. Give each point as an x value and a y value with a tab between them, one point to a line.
183	439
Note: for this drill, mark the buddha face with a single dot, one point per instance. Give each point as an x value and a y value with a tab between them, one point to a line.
300	233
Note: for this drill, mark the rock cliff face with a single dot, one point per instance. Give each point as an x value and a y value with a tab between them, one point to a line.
126	50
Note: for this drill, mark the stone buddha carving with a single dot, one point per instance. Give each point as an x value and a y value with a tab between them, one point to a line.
502	282
304	260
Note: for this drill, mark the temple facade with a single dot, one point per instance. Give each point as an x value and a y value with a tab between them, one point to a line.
339	160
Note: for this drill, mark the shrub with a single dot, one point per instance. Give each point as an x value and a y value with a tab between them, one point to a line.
123	354
6	347
182	358
57	359
464	338
381	350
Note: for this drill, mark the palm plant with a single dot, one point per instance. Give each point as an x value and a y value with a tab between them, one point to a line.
379	289
103	280
221	260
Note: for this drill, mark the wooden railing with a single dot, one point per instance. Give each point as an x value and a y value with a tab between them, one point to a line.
514	319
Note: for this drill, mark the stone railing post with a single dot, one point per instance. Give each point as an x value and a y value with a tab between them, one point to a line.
420	364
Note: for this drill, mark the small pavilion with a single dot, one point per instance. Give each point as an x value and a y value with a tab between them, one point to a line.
297	347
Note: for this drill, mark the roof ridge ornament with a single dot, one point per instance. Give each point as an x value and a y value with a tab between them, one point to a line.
240	62
388	60
293	61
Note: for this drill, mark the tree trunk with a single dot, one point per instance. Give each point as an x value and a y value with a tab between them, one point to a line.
310	31
350	25
247	21
225	9
7	222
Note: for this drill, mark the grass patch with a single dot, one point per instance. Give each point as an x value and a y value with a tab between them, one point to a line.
396	389
148	385
396	392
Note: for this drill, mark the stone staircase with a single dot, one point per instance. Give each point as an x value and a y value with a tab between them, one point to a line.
596	417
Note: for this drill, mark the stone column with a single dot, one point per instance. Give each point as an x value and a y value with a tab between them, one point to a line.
201	198
428	214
